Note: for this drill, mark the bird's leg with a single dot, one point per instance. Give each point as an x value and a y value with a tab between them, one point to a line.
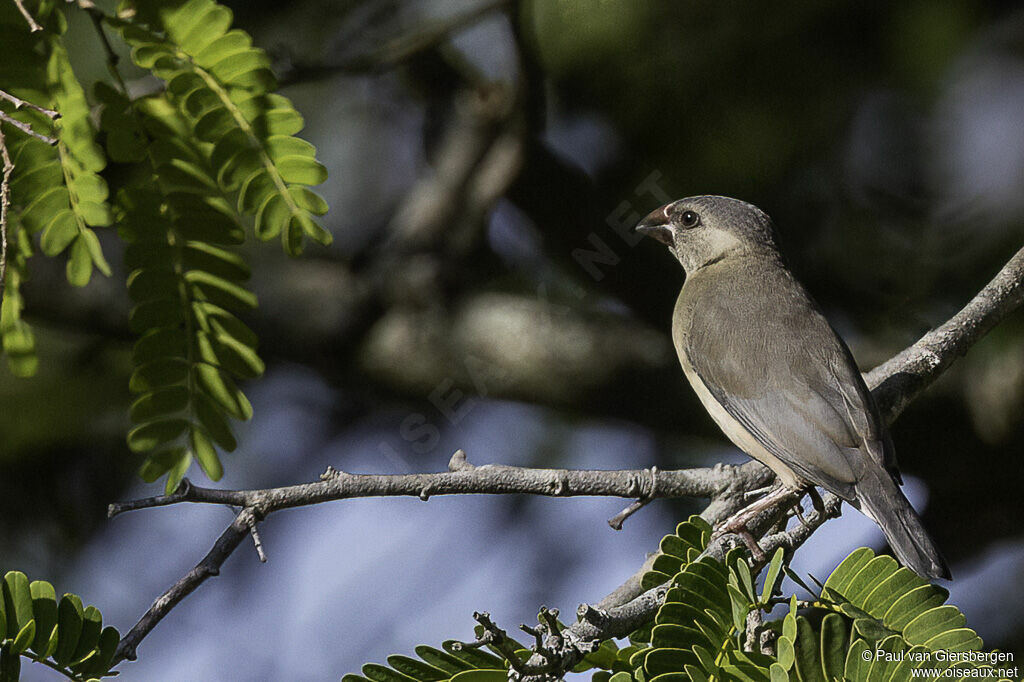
798	509
819	504
748	513
737	523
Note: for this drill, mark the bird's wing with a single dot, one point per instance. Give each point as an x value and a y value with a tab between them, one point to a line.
801	398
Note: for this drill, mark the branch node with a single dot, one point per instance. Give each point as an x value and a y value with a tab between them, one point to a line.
550	618
257	542
458	462
560	484
645	498
592	615
180	494
330	473
496	637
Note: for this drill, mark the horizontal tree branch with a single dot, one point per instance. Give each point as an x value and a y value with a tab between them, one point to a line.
464	478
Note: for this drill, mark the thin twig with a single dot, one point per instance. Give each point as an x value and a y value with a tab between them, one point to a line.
207	568
616	521
33	25
27	129
5	204
496	637
258	542
179	495
20	103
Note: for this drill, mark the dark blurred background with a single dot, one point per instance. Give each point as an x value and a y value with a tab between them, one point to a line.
484	292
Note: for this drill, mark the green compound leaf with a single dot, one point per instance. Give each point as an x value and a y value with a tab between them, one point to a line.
187	288
884	622
223	87
63	635
676	550
56	193
436	665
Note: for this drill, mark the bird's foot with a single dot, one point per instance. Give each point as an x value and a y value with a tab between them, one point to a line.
798	511
819	504
738	522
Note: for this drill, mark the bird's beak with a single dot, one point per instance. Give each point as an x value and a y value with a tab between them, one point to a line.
656	225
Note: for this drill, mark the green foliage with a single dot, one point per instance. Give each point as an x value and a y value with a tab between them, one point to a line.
699	628
199	162
186	286
881	621
451	662
56	191
890	617
676	550
612	663
19	344
222	85
63	634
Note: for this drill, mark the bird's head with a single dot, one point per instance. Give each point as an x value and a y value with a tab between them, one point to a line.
706	229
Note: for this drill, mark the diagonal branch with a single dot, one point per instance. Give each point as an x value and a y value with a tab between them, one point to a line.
20	103
899	380
207	568
27	129
613	618
33	25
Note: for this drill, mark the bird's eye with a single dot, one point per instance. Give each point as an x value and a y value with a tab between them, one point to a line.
689	219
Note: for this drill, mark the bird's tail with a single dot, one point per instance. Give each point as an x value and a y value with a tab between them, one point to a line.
882	500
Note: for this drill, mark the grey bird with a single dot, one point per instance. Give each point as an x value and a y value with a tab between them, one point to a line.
772	372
